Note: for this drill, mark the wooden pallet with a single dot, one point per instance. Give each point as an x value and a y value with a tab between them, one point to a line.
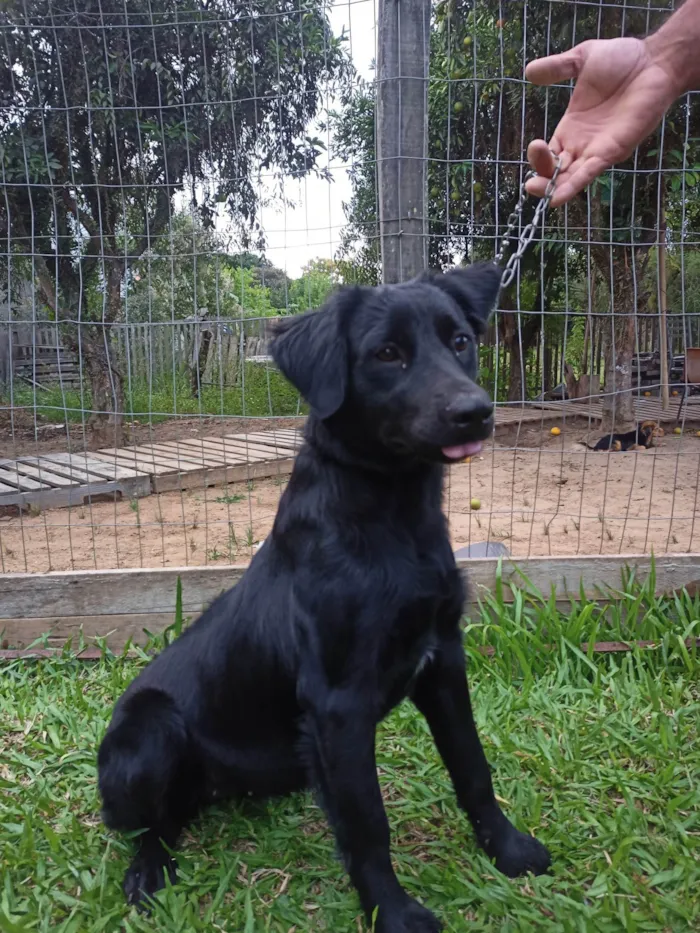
209	461
59	480
645	409
507	415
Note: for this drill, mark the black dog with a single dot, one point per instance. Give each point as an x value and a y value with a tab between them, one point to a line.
643	437
352	604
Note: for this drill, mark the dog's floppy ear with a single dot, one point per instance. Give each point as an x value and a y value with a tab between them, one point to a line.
474	288
311	351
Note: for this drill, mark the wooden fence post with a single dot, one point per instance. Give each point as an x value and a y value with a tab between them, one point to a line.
663	325
403	49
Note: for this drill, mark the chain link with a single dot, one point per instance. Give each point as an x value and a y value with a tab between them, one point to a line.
529	231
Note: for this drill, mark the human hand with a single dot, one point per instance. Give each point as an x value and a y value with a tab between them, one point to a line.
621	95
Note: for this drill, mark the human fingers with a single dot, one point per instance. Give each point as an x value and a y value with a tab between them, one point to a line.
541	158
572	179
578	177
556	68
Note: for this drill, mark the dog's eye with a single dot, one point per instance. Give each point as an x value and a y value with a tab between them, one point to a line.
460	343
388	354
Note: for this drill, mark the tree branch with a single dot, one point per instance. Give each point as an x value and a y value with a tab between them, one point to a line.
46	281
81	217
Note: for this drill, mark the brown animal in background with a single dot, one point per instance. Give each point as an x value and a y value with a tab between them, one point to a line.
643	437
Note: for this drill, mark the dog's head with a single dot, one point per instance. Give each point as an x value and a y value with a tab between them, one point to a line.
396	365
651	431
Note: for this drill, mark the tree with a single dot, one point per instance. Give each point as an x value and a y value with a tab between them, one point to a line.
267	275
354	145
190	275
481	117
318	279
110	109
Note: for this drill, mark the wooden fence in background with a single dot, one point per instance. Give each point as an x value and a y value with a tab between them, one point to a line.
36	353
211	351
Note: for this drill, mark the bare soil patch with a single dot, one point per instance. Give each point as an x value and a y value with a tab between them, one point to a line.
539	495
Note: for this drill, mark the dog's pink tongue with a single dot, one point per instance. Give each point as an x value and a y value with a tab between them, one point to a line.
460	451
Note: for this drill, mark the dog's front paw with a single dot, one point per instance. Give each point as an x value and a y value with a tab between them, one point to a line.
145	876
519	853
411	917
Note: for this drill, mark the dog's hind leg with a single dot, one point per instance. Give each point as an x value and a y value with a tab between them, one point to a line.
147	781
441	693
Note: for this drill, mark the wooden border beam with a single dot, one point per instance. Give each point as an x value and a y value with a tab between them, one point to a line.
122	604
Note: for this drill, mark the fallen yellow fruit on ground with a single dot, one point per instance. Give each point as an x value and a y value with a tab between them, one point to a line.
475	504
555	431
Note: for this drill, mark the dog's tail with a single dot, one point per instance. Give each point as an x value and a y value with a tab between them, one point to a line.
141	760
584	444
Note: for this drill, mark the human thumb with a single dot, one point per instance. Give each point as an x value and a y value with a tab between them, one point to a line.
556	68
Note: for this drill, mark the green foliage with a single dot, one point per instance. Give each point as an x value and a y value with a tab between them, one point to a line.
258	392
354	137
480	118
107	116
275	280
318	279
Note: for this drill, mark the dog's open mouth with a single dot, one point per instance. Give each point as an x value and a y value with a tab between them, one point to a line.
461	451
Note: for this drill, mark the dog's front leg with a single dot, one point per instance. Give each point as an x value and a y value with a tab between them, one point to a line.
341	726
441	693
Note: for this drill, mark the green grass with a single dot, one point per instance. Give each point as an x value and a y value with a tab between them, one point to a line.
597	754
263	392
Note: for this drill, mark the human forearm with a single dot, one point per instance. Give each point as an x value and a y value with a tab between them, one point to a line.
675	47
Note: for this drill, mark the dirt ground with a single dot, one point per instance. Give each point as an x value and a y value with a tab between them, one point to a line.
539	495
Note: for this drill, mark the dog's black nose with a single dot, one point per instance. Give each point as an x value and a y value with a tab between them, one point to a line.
469	409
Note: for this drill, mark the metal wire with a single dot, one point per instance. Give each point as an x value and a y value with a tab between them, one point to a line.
202	288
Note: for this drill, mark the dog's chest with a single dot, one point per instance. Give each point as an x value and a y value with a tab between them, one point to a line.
413	635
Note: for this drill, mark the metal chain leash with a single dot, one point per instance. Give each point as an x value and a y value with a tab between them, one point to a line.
529	231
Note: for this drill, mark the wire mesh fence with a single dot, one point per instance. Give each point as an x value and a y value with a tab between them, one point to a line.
177	176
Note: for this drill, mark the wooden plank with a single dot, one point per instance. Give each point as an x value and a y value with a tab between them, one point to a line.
69	470
215	476
65	496
276	442
73	487
250	449
236	452
11	477
222	475
116	629
91	466
141	592
57	497
136	462
195	453
488	651
287	434
39	470
211	452
213	446
10	495
188	457
145	455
